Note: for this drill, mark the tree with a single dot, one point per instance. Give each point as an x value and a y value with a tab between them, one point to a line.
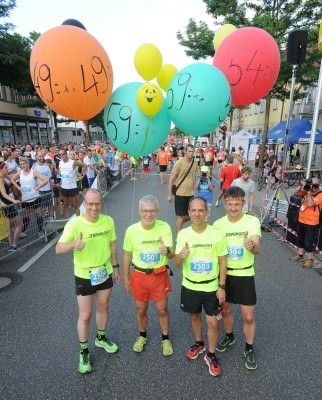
279	18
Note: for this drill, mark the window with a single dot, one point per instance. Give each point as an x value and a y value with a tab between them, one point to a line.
275	104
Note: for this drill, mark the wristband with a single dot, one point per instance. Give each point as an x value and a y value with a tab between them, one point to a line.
222	286
116	266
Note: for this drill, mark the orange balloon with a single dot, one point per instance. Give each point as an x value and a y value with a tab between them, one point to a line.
71	72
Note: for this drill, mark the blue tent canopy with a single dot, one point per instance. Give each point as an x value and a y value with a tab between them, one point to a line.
298	133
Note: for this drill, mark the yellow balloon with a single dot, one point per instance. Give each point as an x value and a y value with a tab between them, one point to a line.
149	98
165	76
148	61
222	33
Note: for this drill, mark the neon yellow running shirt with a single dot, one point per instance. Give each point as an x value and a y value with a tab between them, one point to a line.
202	263
144	244
97	237
238	256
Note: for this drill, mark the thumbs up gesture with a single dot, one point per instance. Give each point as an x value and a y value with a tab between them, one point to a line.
184	253
79	244
162	247
248	243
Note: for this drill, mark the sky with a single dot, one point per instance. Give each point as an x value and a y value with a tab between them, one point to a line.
121	26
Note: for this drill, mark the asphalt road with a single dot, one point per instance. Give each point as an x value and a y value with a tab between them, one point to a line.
39	346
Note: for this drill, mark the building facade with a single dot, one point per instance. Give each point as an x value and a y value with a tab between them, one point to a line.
21	125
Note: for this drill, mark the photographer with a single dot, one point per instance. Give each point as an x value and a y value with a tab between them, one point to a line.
308	219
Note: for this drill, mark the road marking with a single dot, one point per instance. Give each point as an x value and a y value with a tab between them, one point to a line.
37	256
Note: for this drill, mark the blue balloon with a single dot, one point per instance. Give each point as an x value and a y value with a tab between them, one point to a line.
128	128
198	99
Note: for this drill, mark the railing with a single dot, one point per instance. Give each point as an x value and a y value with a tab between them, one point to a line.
26	223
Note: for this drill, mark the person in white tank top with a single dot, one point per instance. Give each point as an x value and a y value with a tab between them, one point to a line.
68	186
29	188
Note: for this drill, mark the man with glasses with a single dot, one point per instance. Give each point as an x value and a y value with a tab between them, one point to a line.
68	186
184	174
92	238
308	219
148	246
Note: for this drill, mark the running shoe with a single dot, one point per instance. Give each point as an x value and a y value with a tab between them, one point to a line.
167	349
16	247
195	350
250	359
139	344
296	258
107	345
213	365
84	365
308	263
225	344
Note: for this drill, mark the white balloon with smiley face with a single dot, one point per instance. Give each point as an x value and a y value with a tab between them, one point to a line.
149	98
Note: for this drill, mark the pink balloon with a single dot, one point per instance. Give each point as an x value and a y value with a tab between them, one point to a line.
250	59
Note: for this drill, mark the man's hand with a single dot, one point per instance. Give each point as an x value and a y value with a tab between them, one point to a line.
249	244
184	253
117	276
79	245
162	248
126	284
170	198
221	295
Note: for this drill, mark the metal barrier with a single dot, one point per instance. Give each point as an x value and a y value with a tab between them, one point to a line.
26	223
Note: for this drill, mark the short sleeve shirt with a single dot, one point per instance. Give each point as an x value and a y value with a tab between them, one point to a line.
144	244
239	258
202	263
180	169
97	237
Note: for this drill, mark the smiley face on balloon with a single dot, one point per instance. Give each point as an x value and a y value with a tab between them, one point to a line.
149	98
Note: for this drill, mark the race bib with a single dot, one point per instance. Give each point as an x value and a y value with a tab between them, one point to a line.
25	189
201	266
98	275
66	176
150	257
235	252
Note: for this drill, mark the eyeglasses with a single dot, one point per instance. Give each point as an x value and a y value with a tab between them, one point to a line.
98	205
63	154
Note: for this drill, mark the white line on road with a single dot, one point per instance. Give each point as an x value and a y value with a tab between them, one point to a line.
37	256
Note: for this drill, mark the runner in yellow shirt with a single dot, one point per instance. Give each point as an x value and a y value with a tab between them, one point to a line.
148	246
201	250
92	238
242	233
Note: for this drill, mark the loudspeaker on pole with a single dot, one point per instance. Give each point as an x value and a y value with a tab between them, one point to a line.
296	47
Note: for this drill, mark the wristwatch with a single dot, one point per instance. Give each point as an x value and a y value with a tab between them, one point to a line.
222	286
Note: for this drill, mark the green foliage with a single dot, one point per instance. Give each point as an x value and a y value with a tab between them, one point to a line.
278	17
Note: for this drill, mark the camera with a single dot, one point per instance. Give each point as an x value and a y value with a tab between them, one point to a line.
308	184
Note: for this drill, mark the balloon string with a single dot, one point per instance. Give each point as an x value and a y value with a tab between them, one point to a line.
145	137
133	196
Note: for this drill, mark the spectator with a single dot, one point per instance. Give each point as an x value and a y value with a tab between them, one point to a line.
308	220
227	176
248	186
204	186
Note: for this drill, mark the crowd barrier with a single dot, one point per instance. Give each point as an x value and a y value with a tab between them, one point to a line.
277	213
40	220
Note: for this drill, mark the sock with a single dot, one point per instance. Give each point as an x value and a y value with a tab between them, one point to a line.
248	347
84	347
210	354
230	335
143	334
200	342
100	334
165	337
